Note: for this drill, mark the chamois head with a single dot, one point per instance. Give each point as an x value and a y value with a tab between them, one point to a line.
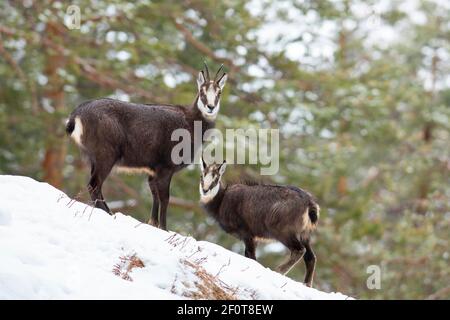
209	92
210	180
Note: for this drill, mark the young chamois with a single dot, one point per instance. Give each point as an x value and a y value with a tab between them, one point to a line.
253	211
136	138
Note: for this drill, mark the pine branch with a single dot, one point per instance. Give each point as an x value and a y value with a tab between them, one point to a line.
21	74
90	72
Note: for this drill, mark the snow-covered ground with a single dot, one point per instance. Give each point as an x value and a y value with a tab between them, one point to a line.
52	247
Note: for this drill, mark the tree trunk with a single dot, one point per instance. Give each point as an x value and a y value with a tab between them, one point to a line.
342	185
55	152
427	132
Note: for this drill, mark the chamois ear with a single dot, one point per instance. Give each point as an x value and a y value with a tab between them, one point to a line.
221	82
201	79
222	168
203	165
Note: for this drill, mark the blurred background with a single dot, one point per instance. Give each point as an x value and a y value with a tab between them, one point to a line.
360	91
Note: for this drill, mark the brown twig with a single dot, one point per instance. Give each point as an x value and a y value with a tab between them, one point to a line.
223	267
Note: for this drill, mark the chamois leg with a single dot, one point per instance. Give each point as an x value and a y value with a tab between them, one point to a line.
163	185
250	247
310	262
98	176
297	252
155	206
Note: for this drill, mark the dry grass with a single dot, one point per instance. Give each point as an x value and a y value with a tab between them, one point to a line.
126	265
207	286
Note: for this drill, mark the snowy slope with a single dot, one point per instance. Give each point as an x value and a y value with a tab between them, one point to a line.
54	248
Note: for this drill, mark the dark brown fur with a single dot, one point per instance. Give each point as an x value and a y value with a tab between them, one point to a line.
117	133
252	211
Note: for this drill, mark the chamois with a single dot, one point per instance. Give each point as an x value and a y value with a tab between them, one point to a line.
254	211
136	138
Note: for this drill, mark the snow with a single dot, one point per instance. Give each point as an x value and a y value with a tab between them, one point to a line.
52	247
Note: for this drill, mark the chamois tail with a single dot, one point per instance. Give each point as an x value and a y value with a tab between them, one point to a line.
70	125
313	212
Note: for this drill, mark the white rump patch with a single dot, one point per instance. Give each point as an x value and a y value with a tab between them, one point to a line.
135	170
308	226
77	131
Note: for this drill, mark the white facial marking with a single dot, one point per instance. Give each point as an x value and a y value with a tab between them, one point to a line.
207	180
211	95
208	114
77	131
209	195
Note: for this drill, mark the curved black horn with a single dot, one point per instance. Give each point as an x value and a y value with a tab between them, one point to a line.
207	70
218	71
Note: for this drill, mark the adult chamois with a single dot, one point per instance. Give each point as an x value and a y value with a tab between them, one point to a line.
137	138
254	211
